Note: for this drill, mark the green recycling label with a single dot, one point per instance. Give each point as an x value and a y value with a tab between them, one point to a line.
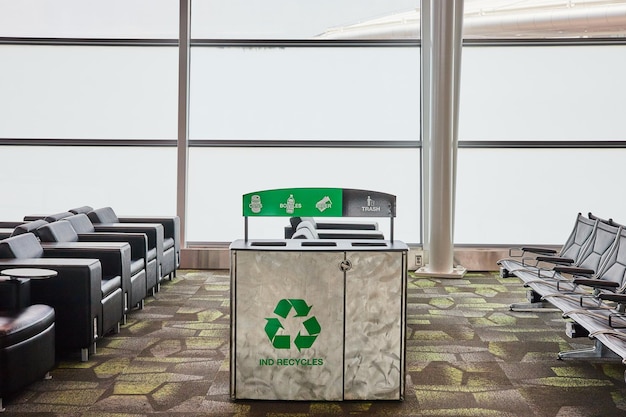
294	202
305	337
319	202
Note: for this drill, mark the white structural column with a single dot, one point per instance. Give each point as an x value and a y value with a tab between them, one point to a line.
183	116
441	48
425	103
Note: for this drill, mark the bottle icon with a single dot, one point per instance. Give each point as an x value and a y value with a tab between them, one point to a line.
291	203
255	204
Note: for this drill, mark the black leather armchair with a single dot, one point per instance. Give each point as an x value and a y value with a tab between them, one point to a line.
141	257
48	217
115	266
171	240
171	234
98	245
153	231
27	334
59	240
75	293
8	229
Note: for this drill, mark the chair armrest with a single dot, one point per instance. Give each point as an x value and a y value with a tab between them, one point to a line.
75	294
10	225
171	225
138	241
113	256
555	260
32	217
538	250
153	231
573	270
618	298
596	283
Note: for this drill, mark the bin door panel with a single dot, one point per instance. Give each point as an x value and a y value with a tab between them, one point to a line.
288	338
374	316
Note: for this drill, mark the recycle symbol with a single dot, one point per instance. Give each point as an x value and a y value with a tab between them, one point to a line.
301	341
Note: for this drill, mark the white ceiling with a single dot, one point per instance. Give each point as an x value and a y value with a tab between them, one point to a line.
505	19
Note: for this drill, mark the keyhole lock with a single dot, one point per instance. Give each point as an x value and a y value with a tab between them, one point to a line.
345	265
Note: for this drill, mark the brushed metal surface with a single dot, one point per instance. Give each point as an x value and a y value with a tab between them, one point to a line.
374	334
263	279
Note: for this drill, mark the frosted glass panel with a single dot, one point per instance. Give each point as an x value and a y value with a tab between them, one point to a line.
284	19
543	93
89	19
82	92
533	196
40	180
305	93
219	177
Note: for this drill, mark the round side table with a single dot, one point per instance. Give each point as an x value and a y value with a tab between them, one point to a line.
15	287
31	273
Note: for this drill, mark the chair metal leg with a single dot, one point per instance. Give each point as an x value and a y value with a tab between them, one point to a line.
538	307
85	352
535	304
504	273
597	351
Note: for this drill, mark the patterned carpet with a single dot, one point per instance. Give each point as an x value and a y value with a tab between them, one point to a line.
467	355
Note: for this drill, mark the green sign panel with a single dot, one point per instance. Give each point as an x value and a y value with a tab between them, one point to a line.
319	202
294	202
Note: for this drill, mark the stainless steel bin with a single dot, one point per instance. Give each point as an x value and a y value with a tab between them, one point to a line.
318	320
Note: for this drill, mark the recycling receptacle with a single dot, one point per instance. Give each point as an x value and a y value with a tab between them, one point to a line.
318	320
318	323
